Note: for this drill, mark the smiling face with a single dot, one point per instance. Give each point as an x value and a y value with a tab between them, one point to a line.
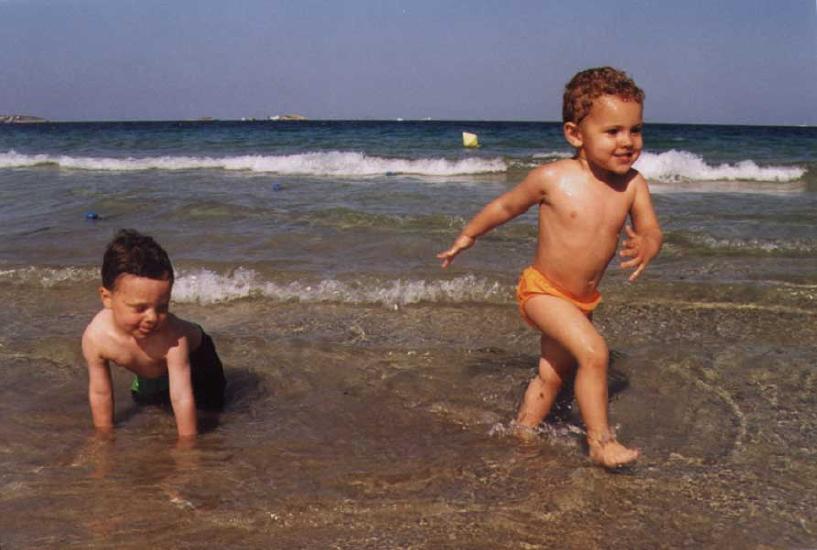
139	304
609	137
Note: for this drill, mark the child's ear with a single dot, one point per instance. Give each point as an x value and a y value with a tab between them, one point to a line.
572	134
105	296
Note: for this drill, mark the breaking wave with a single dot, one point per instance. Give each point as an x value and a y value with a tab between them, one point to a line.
329	163
675	166
670	166
206	287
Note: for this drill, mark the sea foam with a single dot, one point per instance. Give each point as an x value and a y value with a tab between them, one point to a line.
329	163
205	287
789	247
670	166
675	166
49	277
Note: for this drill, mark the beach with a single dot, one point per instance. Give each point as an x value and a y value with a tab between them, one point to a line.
371	392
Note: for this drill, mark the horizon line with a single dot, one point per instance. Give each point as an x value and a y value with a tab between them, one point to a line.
41	120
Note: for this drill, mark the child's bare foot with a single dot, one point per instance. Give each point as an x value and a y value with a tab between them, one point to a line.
523	433
606	451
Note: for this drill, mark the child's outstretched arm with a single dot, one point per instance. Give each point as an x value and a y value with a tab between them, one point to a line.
500	210
644	238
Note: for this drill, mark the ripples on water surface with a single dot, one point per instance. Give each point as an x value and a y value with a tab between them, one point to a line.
370	391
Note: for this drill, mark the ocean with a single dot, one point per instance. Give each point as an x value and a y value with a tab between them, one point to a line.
370	391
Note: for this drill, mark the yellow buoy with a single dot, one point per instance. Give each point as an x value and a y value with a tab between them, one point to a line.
469	140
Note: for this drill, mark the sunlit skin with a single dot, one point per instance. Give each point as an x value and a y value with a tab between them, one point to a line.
583	203
135	330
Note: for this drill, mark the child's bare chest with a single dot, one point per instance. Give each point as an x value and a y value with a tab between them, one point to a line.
147	362
592	208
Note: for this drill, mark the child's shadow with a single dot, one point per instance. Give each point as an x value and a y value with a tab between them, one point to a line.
244	388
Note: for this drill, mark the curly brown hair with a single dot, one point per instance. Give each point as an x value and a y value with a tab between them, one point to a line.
588	85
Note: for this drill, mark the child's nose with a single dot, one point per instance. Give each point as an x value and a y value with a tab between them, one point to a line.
626	139
150	315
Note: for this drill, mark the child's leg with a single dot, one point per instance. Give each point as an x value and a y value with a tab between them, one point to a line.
555	365
569	327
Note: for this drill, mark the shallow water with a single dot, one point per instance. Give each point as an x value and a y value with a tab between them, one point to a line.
355	426
370	392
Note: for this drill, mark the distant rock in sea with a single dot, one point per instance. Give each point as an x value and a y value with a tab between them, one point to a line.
20	119
287	117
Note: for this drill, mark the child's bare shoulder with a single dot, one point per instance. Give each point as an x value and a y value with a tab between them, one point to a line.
99	326
97	334
636	183
563	166
637	178
556	170
547	175
182	328
180	335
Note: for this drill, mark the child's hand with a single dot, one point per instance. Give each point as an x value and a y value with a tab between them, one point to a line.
639	249
463	242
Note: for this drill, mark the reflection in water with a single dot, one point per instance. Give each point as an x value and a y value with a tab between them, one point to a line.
97	453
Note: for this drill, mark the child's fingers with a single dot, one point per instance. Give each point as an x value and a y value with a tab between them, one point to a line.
631	243
632	262
637	273
448	256
463	242
451	252
629	230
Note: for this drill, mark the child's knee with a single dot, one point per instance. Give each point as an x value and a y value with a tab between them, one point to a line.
595	357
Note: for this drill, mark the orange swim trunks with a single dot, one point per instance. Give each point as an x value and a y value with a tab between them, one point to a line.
533	283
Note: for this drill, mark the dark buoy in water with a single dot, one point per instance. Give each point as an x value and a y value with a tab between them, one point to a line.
391	173
277	187
90	215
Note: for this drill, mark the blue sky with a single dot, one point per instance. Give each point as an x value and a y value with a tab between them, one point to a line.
700	61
